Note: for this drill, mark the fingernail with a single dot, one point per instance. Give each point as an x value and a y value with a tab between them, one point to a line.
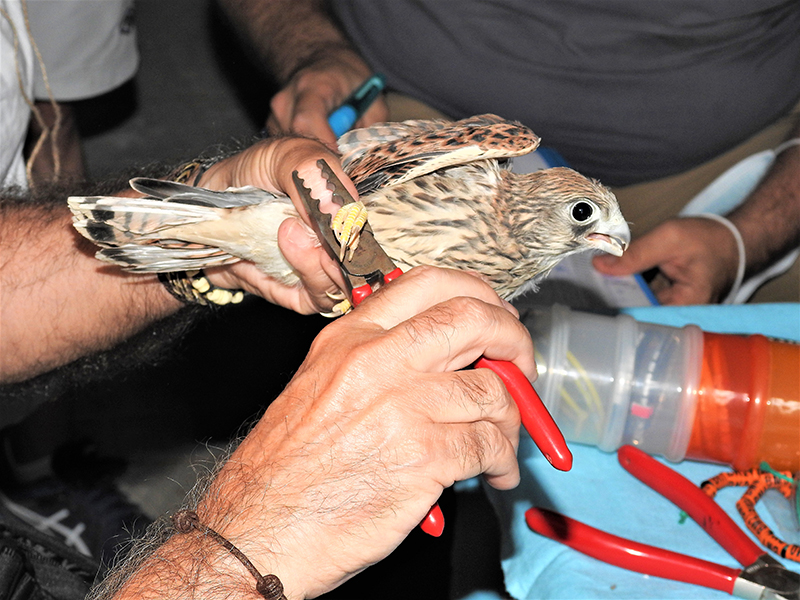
510	308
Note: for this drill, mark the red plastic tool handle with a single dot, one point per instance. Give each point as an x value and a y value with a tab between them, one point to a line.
686	495
630	555
536	419
433	523
362	291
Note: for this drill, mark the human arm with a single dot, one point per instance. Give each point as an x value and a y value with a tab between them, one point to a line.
51	284
59	303
348	460
698	258
311	59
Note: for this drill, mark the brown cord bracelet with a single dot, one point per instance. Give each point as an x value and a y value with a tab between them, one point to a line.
269	586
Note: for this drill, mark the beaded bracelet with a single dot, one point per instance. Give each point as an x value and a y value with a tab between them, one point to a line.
269	586
193	287
191	172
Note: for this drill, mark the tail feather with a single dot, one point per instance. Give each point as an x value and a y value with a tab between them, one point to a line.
157	259
179	227
134	233
116	221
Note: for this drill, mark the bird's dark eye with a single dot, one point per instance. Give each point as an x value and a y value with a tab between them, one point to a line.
581	211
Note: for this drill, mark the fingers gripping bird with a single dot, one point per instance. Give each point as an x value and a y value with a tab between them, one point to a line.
436	192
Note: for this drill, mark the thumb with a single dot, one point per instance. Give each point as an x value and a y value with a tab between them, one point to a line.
301	248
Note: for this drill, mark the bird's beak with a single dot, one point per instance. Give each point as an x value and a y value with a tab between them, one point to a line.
614	240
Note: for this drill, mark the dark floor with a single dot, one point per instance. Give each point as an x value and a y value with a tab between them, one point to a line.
195	89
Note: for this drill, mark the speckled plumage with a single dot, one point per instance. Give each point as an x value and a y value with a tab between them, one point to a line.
436	193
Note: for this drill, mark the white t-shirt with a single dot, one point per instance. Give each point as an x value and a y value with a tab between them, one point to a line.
88	46
16	82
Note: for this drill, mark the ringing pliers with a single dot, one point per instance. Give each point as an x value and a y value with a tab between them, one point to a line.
369	268
762	578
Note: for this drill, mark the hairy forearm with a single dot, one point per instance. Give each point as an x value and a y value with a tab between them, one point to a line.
287	34
232	501
769	220
58	302
189	566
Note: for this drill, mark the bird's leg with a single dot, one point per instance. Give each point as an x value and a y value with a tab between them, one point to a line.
342	306
339	309
347	224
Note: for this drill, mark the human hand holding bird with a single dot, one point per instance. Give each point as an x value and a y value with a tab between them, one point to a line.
269	165
436	193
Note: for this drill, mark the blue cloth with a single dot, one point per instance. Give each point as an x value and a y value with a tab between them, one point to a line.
600	493
773	320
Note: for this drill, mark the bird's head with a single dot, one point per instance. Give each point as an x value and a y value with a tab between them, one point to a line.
559	212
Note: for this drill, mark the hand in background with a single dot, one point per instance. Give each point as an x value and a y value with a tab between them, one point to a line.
314	92
302	47
697	260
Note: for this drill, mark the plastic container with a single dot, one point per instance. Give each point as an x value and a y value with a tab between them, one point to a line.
749	409
675	392
610	381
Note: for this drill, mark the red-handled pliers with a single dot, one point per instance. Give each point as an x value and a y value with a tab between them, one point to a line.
369	268
763	577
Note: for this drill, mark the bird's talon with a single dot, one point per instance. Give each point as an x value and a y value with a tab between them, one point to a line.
347	224
353	245
338	295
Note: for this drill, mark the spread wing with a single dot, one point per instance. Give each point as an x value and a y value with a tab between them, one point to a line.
392	153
